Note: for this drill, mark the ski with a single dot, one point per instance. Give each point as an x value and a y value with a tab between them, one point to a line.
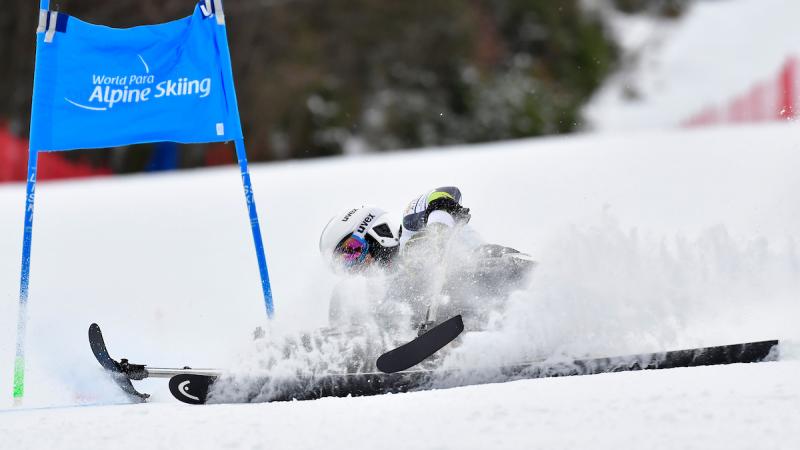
414	352
194	389
193	386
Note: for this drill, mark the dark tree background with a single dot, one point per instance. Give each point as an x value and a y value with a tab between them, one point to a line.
322	77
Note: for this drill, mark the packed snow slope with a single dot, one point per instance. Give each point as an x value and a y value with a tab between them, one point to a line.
649	241
744	407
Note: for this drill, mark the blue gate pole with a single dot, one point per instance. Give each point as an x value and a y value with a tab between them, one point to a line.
24	282
241	155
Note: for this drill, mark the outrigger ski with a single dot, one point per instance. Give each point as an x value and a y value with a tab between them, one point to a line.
414	352
122	371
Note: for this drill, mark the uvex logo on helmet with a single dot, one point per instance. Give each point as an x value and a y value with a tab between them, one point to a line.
349	215
363	225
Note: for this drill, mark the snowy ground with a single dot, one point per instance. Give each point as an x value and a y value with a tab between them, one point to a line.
744	407
648	241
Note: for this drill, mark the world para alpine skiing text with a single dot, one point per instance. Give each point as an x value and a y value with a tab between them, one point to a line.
141	88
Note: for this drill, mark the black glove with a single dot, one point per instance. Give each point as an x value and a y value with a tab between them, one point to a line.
450	206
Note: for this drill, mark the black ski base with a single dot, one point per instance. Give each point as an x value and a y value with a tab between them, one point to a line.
366	384
418	350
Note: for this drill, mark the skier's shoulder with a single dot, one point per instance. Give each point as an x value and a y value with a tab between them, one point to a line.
430	197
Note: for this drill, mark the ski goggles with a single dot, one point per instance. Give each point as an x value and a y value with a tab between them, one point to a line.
352	251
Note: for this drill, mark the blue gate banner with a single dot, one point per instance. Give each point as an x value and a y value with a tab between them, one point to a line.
97	87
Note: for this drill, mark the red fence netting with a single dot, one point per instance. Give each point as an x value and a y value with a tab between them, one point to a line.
775	99
52	166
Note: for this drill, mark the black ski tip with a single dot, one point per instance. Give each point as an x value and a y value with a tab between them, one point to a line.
191	389
94	333
98	345
416	351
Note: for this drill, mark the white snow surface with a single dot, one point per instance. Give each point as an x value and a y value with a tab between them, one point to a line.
741	407
716	51
649	241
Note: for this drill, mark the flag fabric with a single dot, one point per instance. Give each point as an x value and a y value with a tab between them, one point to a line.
97	87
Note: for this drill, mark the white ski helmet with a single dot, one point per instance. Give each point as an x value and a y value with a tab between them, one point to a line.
352	235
